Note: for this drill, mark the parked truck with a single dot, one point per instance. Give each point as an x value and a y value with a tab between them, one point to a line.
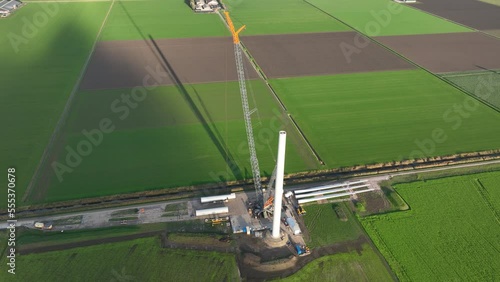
301	250
43	225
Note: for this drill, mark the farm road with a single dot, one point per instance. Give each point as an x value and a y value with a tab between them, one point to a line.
155	212
473	13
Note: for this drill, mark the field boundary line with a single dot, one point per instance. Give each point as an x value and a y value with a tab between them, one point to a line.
483	192
443	18
316	155
372	39
494	107
357	220
263	76
472	73
62	119
473	29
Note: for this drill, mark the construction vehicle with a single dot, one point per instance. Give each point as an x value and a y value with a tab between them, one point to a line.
217	220
300	210
302	250
43	226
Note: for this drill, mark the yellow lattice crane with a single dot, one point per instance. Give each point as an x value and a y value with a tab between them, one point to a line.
246	110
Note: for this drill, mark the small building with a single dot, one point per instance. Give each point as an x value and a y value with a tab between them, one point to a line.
205	6
7	7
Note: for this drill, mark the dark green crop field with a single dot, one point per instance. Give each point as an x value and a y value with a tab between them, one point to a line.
41	62
325	228
452	231
352	266
484	84
384	116
385	17
136	260
131	20
280	17
169	139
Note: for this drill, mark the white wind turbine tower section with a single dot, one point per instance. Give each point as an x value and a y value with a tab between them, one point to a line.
278	196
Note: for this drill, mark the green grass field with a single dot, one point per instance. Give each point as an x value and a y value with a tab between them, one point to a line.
492	2
31	238
36	238
278	17
131	20
171	139
325	228
385	17
452	231
137	260
40	65
352	266
384	116
484	85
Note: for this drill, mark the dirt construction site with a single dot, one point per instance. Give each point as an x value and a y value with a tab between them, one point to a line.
259	256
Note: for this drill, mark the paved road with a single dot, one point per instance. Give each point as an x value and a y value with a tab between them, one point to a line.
155	212
149	213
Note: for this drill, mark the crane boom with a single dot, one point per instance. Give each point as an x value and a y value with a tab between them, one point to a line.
246	109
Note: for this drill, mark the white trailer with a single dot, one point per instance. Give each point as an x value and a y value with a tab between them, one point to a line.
293	225
212	211
222	198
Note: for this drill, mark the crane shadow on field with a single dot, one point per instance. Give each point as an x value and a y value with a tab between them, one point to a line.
214	134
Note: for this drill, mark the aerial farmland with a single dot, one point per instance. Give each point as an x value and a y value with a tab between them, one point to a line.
300	140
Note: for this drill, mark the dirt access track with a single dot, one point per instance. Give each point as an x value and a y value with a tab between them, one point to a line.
127	63
472	13
450	52
308	54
